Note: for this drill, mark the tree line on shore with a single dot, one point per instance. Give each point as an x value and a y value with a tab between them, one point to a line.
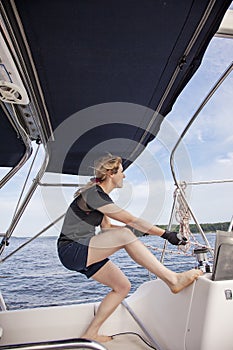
207	227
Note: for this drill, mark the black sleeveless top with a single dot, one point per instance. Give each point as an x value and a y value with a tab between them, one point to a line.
83	216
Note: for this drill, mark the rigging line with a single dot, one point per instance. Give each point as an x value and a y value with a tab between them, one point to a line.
167	250
169	228
209	182
177	252
32	239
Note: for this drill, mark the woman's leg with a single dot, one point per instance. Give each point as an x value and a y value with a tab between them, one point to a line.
175	281
111	276
107	243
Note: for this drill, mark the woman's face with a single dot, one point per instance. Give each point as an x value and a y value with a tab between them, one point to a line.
118	177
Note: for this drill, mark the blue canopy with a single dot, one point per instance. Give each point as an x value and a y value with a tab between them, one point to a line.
135	55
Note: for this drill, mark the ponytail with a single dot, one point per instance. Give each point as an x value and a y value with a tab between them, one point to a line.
101	168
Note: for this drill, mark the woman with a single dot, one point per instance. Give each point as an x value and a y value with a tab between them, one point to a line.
80	249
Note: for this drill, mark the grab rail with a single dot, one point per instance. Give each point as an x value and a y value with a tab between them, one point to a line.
59	344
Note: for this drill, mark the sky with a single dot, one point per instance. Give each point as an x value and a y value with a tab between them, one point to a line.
206	153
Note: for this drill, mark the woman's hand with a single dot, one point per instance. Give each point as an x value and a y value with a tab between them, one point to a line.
174	238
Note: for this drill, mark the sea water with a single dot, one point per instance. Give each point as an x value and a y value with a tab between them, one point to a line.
34	276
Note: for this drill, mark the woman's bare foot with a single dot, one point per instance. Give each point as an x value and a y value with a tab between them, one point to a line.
98	338
184	279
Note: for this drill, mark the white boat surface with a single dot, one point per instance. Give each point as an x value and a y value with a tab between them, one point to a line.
187	320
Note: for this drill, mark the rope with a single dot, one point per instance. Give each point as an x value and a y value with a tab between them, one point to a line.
168	251
178	252
182	216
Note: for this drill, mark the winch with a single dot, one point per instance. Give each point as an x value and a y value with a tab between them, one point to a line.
202	260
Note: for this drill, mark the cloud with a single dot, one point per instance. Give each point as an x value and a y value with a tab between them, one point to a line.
227	159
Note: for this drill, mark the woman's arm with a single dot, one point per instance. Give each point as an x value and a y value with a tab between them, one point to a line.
106	223
114	212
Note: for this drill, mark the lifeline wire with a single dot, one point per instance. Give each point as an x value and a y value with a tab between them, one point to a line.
32	239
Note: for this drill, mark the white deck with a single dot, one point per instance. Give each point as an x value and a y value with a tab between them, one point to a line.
200	317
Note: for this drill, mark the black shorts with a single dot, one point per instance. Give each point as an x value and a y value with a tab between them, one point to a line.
73	256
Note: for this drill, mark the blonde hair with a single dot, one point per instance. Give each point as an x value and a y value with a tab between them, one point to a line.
102	167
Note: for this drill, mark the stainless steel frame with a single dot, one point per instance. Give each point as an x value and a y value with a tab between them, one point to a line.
24	203
150	337
40	114
177	183
62	344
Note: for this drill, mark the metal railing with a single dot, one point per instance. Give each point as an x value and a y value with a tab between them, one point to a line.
59	344
177	183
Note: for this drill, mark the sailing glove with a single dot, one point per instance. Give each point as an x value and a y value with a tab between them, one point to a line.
174	238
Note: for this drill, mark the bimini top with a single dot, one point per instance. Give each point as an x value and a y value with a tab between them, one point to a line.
100	76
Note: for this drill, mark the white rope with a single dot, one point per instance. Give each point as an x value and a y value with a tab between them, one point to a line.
183	216
175	252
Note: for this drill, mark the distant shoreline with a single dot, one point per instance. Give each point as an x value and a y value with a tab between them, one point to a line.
207	228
